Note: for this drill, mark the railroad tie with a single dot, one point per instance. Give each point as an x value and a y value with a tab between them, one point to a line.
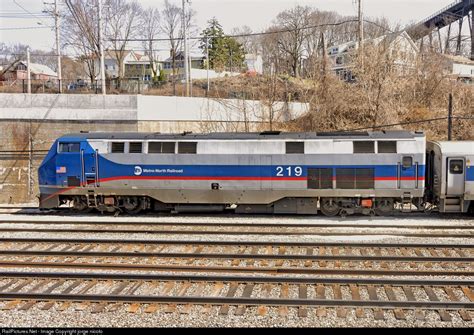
21	285
247	293
224	310
64	306
99	307
152	308
303	295
465	315
47	306
372	293
408	293
262	310
379	314
133	308
10	305
444	315
284	294
419	314
341	312
430	293
468	292
399	314
27	305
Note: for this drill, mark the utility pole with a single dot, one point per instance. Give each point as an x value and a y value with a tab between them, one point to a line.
101	50
361	29
28	71
207	64
185	44
58	47
450	116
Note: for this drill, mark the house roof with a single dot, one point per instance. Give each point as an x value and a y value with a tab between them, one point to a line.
36	68
458	59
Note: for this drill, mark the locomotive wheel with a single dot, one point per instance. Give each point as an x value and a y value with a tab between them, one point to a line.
329	207
384	207
80	206
132	205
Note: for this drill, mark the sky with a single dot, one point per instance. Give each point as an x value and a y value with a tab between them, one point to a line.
257	14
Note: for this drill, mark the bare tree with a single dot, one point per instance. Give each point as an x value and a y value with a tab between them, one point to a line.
151	29
80	33
123	25
171	26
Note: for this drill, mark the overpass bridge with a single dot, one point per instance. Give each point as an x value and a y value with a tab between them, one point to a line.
457	12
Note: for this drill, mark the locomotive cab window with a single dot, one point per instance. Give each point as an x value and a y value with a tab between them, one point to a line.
135	147
364	147
295	147
161	147
456	166
69	147
118	147
407	162
387	147
187	147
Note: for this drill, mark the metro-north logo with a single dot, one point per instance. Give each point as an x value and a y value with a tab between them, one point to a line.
138	171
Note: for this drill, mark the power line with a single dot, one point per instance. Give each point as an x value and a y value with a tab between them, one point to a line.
25	28
256	34
27	11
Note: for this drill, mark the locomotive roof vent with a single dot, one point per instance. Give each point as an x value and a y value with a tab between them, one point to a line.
270	132
343	133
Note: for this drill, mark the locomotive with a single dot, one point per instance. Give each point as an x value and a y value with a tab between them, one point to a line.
340	173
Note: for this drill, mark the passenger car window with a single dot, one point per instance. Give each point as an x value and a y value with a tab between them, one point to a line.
456	166
364	147
118	147
69	147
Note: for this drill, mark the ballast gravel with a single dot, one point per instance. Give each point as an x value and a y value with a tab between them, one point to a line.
209	316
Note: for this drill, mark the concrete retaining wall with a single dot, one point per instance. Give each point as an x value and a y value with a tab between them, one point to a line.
33	122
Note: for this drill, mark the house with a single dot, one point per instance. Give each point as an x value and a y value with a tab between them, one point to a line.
458	67
197	62
37	72
254	63
135	65
399	45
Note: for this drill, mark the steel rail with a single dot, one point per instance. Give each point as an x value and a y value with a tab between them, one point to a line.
235	300
242	224
234	256
226	232
236	243
233	278
230	269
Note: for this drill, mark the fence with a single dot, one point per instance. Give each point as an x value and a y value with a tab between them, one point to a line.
136	86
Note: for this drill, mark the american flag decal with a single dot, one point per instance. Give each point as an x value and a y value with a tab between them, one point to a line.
60	169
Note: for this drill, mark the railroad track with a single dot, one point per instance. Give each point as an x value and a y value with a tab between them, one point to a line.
237	230
100	291
235	257
292	225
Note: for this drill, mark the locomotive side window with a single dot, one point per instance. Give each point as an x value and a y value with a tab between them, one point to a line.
69	147
456	166
364	147
135	147
407	162
295	147
118	147
187	147
161	147
387	147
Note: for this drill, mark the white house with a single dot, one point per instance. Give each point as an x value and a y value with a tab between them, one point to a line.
254	63
459	68
135	65
399	45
